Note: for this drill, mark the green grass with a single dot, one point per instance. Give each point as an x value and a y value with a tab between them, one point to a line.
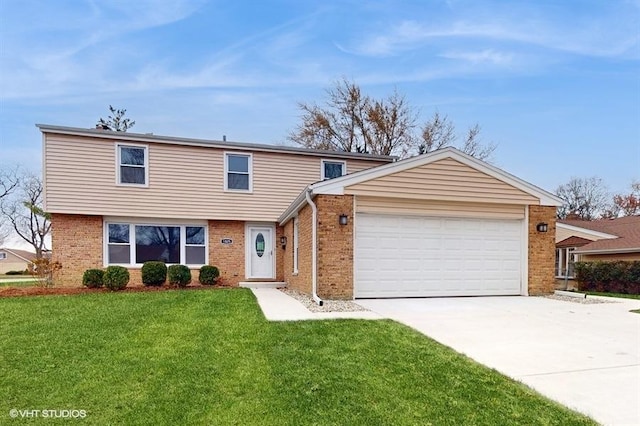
209	357
29	283
621	295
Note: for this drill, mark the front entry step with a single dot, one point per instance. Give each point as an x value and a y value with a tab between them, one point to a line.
263	284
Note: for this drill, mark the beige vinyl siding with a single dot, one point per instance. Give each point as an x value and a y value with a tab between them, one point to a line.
12	263
184	181
409	207
445	180
605	257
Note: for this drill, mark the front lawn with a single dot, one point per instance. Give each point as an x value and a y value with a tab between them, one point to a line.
210	357
17	282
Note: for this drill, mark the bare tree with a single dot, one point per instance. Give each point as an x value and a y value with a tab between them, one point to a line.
439	132
353	122
8	183
625	204
24	212
585	198
116	121
8	180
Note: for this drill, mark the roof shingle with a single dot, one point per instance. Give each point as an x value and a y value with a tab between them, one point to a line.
626	228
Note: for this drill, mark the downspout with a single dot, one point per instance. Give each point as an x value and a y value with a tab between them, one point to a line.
314	249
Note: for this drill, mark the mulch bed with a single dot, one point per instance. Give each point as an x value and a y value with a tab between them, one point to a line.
65	291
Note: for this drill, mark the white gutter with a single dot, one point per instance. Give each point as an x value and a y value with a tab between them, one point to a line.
314	249
608	251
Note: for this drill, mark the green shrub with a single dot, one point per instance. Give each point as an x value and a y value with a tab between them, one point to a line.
115	278
179	275
154	273
611	277
93	278
208	275
15	273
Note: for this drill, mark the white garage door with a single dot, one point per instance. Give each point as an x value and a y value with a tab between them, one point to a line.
404	256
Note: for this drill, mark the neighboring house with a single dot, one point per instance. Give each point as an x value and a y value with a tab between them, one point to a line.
604	239
15	260
345	224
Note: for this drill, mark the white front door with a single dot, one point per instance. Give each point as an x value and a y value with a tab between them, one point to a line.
260	252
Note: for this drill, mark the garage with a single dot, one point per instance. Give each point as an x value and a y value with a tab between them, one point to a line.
423	256
440	224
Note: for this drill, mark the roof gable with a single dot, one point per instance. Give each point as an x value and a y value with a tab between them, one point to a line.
523	192
572	241
475	167
446	179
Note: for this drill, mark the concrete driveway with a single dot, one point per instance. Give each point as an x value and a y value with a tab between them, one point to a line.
584	356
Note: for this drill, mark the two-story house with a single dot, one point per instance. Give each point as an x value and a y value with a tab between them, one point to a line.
334	224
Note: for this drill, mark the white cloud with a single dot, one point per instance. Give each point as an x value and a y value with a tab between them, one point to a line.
481	56
610	33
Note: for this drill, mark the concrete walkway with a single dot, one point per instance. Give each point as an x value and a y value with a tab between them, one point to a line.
278	306
585	356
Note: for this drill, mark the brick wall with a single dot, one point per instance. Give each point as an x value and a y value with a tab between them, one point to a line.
278	252
542	250
229	258
76	242
302	280
335	247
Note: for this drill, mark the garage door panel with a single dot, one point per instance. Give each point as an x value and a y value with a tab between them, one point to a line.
398	256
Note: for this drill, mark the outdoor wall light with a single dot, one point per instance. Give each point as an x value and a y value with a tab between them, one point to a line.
344	219
283	241
542	227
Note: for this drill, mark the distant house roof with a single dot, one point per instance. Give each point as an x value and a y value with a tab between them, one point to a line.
627	230
573	241
27	256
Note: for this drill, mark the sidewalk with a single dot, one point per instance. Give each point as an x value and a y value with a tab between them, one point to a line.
277	306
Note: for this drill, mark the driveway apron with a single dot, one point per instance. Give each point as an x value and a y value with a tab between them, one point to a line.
585	356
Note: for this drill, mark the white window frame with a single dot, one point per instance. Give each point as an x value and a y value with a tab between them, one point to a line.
3	255
146	164
249	168
296	238
133	222
323	162
562	262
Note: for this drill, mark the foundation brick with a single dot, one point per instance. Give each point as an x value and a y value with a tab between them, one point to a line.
229	258
76	242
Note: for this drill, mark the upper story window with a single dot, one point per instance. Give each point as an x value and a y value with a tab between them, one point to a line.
133	165
238	172
332	169
3	255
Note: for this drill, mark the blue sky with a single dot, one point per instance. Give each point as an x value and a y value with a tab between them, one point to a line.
555	84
